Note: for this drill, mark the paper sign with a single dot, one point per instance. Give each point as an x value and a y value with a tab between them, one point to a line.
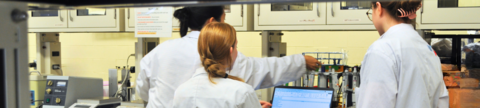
153	22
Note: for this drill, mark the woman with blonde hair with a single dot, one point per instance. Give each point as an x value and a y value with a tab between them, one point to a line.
211	86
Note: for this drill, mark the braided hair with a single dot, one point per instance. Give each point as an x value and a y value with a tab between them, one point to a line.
214	44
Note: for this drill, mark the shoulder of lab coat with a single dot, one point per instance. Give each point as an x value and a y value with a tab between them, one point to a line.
269	71
226	93
250	100
379	84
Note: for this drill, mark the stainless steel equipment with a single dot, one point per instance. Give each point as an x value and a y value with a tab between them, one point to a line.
63	91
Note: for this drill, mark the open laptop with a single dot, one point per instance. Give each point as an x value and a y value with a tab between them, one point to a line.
302	97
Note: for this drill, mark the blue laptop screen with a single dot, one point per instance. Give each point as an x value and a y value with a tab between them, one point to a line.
301	98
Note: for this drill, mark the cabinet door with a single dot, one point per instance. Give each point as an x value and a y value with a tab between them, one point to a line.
350	12
131	18
47	19
92	18
451	12
311	13
234	15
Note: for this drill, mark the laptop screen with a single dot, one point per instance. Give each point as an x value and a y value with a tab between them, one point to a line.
301	98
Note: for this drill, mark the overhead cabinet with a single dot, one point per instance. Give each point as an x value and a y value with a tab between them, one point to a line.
348	13
310	13
47	19
449	14
238	15
78	20
311	16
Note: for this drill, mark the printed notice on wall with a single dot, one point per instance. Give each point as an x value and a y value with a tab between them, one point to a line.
153	22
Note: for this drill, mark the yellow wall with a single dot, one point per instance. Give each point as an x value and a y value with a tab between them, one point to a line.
468	3
92	54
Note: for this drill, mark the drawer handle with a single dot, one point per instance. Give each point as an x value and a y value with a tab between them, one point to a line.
241	14
318	12
258	9
60	15
70	14
115	15
332	10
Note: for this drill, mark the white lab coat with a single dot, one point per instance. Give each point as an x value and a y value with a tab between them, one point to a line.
400	70
174	61
199	92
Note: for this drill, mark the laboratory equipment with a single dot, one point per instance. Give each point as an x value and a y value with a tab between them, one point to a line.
48	60
37	89
99	102
349	83
112	82
126	92
63	91
302	97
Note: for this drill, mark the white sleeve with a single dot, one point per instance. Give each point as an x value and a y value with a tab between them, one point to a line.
269	71
379	85
251	101
143	81
443	102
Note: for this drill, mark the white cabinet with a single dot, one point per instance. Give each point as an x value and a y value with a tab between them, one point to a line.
78	20
449	14
92	18
130	19
310	13
240	16
309	16
348	13
47	19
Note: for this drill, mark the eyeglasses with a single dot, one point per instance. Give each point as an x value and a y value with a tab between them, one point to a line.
369	14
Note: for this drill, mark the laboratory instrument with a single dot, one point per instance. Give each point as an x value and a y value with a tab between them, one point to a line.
126	92
351	80
48	60
37	89
99	102
63	91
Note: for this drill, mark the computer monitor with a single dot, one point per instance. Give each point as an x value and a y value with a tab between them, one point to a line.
302	97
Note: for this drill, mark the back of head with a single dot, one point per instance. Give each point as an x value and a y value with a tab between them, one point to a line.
195	17
214	45
403	11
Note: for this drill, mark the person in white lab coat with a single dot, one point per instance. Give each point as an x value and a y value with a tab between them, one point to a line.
173	62
211	86
400	69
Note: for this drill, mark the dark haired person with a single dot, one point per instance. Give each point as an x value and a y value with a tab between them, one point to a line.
400	69
173	62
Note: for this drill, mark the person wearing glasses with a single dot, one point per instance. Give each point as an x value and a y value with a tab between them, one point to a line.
400	69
